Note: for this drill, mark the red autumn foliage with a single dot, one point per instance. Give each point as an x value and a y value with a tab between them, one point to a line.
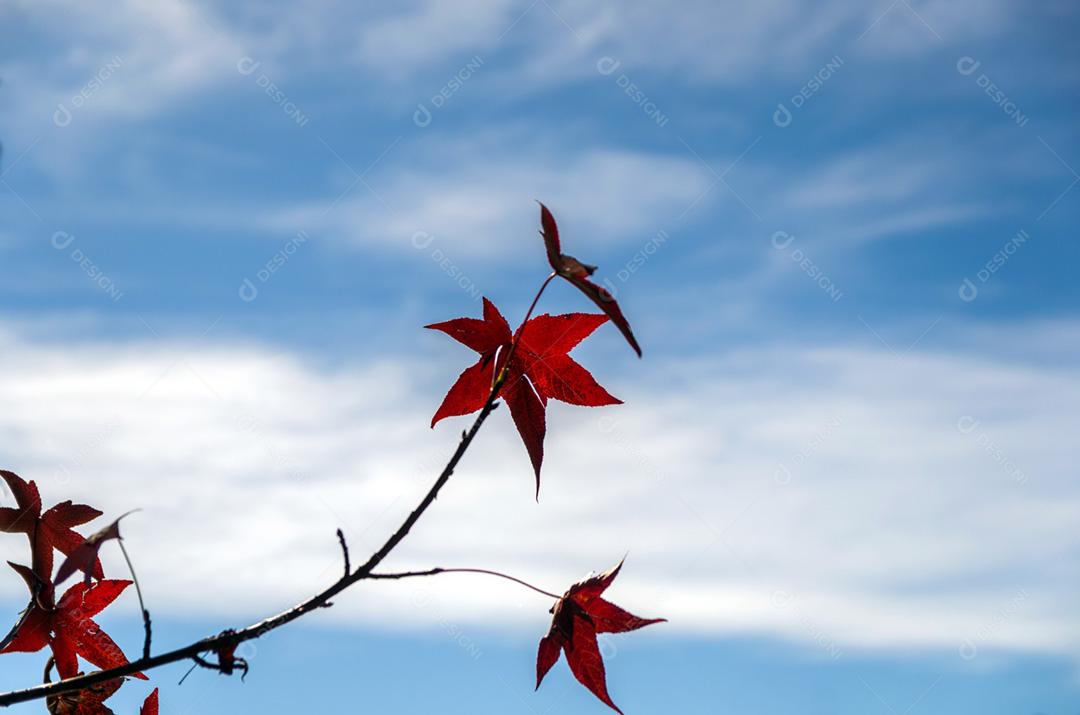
68	627
579	615
539	369
90	701
150	705
53	529
526	368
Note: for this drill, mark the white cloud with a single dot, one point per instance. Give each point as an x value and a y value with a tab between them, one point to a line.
704	42
475	203
877	191
177	51
166	49
891	526
429	32
117	67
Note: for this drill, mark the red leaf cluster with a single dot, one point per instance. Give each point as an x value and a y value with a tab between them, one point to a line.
526	368
65	625
53	529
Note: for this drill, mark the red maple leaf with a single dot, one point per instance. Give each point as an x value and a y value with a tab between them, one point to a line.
578	616
68	627
578	273
540	369
53	529
89	701
150	705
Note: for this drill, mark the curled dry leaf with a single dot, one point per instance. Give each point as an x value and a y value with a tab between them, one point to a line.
85	555
578	273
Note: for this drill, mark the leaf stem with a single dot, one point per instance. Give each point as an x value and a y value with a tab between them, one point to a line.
437	571
142	605
505	372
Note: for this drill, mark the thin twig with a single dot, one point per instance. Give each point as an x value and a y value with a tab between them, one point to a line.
320	600
148	630
436	572
344	551
189	672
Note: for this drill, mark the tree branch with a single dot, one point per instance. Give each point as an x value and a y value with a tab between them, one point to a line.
256	630
231	638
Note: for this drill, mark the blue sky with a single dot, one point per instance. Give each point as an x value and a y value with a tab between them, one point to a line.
843	234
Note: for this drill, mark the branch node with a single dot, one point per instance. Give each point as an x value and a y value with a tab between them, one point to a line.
222	666
227	662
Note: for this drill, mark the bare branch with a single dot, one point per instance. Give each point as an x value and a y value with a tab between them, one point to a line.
232	638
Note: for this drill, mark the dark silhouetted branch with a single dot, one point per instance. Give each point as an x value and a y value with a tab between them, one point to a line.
227	640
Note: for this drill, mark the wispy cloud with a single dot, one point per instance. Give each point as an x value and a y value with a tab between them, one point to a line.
472	197
899	512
